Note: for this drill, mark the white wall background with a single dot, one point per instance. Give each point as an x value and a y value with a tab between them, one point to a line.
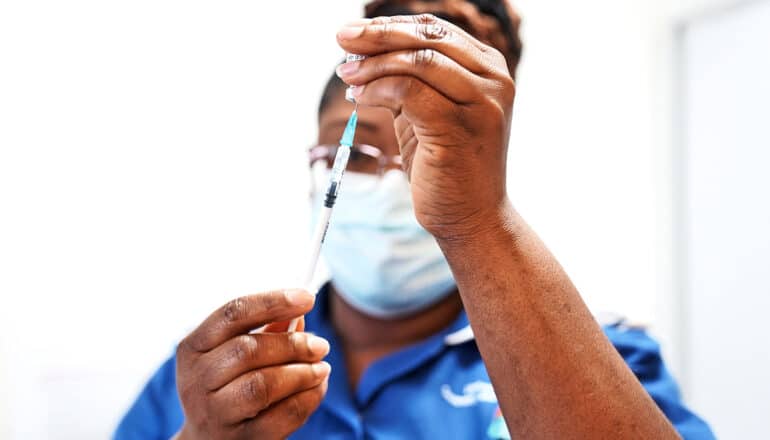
726	214
137	140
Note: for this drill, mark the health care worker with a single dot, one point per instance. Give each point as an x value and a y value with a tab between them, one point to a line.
446	317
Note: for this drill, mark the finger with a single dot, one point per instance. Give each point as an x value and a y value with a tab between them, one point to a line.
370	36
389	34
253	392
283	326
407	144
429	66
421	104
250	352
249	312
283	418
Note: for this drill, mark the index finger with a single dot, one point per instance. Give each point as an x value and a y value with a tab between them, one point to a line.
244	314
414	32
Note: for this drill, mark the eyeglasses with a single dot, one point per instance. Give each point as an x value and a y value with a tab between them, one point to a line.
363	158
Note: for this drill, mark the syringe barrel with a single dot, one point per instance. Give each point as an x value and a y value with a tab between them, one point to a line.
335	178
340	162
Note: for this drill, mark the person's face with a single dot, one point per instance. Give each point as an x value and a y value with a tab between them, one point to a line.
375	128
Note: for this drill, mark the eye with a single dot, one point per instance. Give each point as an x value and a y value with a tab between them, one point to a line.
360	162
356	156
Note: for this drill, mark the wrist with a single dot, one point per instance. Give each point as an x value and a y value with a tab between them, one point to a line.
482	227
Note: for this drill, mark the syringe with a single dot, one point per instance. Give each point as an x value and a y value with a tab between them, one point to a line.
333	190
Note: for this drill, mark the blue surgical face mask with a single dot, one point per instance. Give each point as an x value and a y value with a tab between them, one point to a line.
382	262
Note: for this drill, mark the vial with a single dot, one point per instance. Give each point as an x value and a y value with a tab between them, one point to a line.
348	59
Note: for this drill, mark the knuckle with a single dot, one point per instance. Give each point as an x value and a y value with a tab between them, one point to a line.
423	58
299	345
426	19
378	69
296	410
271	300
257	390
501	116
382	31
508	88
497	115
190	344
503	90
381	20
246	347
431	28
235	310
498	60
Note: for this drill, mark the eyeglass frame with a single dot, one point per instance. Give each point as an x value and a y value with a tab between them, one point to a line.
328	151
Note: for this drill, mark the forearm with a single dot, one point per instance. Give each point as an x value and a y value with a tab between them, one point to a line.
554	371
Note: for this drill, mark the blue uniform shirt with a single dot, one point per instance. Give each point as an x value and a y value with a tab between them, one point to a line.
438	388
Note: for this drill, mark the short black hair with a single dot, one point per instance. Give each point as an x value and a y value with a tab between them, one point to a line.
332	91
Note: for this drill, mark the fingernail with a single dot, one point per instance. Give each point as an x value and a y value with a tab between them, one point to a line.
318	345
321	369
299	297
350	32
357	91
347	69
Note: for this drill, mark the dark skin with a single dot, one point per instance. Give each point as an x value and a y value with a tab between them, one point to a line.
366	339
554	372
237	385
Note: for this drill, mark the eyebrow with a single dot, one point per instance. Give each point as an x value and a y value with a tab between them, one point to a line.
361	124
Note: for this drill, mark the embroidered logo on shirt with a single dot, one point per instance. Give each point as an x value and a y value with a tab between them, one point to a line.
473	393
